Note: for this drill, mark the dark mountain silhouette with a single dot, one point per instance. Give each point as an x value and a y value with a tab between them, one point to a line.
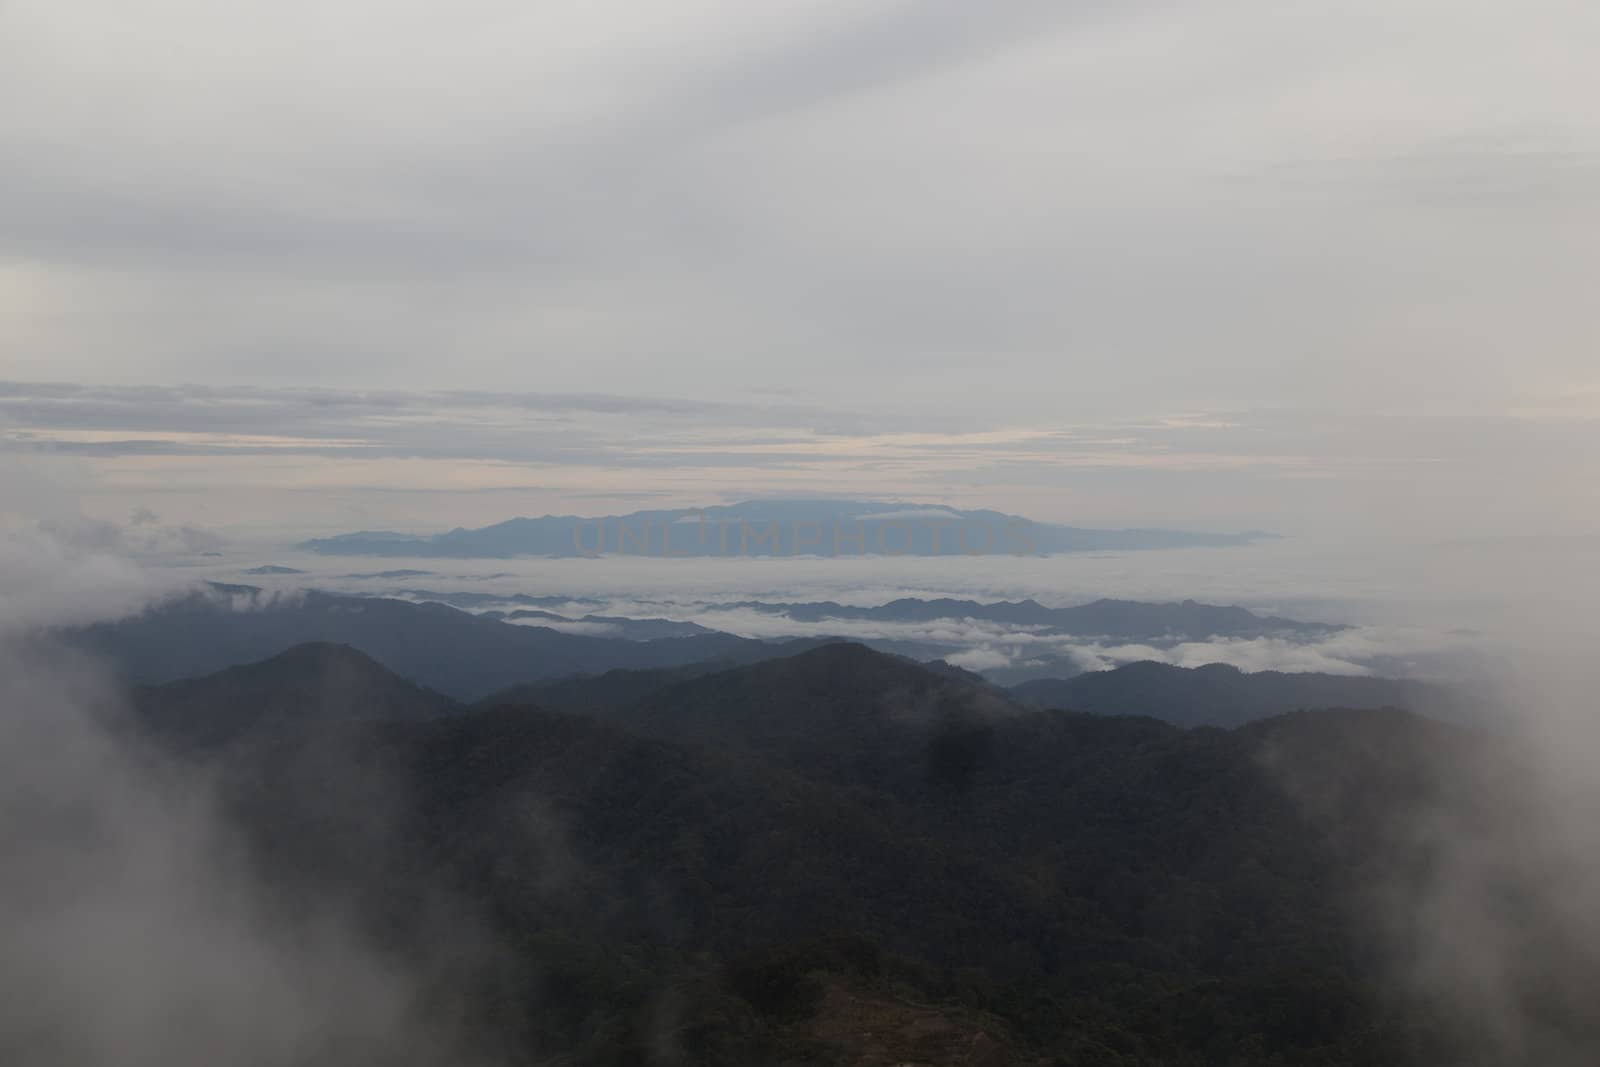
609	693
840	854
768	527
309	683
599	694
463	655
834	711
1222	695
843	857
1116	620
948	632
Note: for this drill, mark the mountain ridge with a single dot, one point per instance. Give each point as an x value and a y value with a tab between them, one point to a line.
769	527
1220	694
312	682
754	846
463	655
1105	616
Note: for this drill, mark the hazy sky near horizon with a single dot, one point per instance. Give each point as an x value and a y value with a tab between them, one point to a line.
315	265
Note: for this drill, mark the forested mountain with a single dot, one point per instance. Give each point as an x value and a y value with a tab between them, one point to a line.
839	712
600	694
306	685
1213	695
842	858
1219	694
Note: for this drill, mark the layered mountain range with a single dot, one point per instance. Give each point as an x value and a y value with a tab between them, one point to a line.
469	653
840	856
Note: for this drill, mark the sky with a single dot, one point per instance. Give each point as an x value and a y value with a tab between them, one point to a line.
301	267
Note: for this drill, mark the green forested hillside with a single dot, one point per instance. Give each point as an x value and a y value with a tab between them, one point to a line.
842	858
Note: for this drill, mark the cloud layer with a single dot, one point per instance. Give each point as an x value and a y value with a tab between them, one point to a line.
314	460
1036	207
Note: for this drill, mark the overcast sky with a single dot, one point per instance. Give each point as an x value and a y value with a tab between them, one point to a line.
317	263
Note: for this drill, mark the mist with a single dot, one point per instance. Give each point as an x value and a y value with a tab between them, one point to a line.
141	928
1477	889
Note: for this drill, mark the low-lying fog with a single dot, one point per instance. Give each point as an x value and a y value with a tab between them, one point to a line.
1432	609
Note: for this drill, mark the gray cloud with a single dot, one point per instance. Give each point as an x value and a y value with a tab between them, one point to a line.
130	891
50	580
138	874
908	201
1295	472
789	233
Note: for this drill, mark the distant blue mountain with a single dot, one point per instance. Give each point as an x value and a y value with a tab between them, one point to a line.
771	528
